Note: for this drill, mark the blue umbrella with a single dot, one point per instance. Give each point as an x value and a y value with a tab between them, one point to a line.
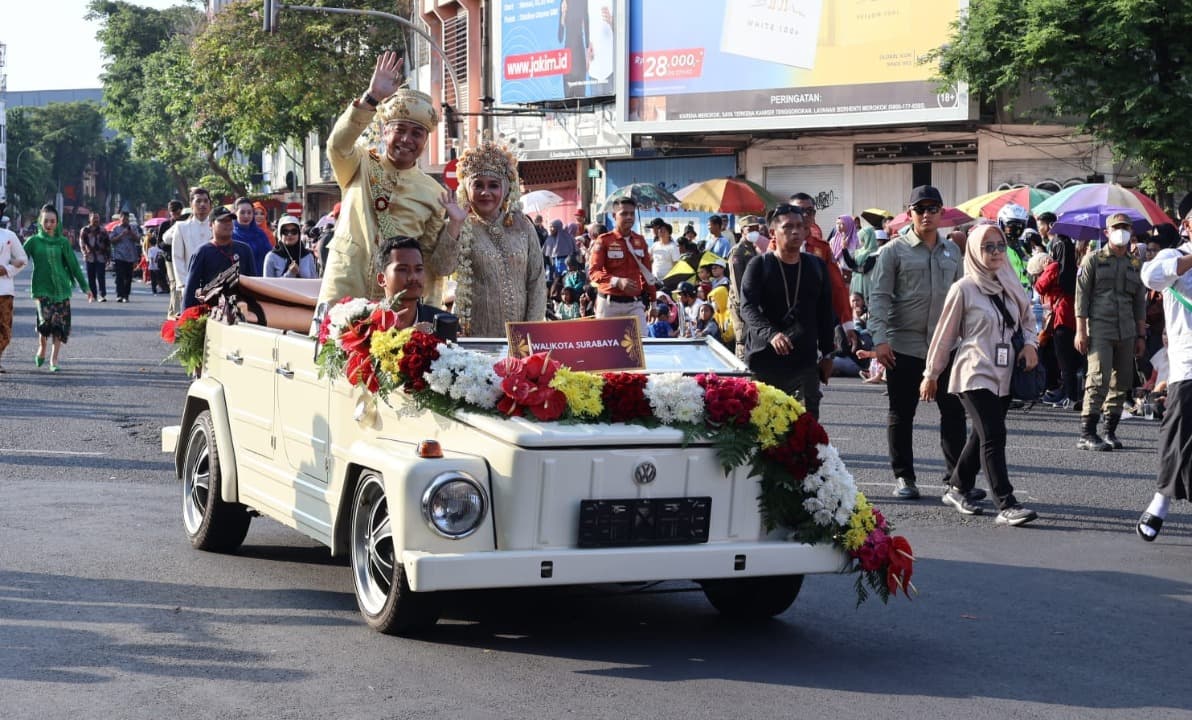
1087	223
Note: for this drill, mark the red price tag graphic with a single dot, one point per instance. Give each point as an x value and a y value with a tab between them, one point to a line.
658	65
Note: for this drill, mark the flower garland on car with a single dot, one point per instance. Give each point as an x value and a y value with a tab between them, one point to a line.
805	487
186	333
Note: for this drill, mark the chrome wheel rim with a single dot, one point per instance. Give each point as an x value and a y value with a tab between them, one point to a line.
196	481
372	546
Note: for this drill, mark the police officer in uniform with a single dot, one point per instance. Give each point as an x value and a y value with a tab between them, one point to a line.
619	267
1110	329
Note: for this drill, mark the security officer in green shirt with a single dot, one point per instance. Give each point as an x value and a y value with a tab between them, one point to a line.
1110	329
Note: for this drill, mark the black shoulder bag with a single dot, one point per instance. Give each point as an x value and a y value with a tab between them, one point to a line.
1025	385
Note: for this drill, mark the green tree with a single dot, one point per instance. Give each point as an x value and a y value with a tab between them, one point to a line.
273	88
151	89
70	136
30	181
1119	68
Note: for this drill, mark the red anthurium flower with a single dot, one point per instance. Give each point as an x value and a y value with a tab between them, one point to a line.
901	567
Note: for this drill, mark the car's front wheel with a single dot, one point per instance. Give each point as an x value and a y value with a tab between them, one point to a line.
211	524
382	590
755	598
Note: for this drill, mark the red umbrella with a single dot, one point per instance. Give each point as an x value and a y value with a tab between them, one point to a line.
153	222
950	217
111	226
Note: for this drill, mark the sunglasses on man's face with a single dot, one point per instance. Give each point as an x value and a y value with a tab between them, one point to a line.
289	231
926	209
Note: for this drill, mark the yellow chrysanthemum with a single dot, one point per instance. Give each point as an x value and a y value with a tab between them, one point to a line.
582	391
775	413
386	348
854	538
862	520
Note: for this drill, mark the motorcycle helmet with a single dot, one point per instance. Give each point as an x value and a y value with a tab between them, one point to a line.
1012	219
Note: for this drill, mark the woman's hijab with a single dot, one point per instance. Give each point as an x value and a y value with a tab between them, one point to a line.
1004	281
846	239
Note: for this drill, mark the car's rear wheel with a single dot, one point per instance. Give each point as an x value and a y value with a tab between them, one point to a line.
754	598
211	524
382	590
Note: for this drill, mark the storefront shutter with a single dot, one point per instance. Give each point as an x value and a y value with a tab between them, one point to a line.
825	183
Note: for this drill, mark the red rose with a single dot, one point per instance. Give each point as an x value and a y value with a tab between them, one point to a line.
624	397
169	330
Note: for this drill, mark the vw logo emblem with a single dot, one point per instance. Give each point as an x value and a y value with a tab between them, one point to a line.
645	473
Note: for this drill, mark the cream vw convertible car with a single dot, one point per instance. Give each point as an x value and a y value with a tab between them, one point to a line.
423	503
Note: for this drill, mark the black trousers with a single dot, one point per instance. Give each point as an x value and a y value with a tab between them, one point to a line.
986	447
97	279
1175	443
902	383
1064	342
123	278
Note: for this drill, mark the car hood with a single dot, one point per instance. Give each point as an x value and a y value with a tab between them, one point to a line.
533	434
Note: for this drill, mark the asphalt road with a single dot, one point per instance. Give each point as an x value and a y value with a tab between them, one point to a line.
106	611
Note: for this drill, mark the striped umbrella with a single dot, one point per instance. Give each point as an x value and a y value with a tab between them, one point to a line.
734	196
987	205
1092	195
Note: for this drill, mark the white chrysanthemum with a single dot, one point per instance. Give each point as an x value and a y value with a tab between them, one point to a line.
464	375
675	398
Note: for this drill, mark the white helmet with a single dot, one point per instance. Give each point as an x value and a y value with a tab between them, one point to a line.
1012	212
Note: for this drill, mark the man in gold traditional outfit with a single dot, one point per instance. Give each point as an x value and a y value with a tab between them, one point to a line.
386	195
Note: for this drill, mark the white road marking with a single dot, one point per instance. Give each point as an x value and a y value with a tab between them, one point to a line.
52	452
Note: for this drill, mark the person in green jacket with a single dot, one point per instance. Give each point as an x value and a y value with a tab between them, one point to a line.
55	272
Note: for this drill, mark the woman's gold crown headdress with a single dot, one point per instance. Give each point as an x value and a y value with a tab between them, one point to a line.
490	158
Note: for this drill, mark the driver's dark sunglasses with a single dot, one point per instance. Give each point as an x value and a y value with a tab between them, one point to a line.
927	209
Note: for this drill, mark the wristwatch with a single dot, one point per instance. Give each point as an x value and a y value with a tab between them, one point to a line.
370	100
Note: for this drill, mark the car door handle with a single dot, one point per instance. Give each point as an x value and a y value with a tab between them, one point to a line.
235	357
285	372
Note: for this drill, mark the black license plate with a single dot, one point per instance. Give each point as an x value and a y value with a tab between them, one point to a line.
643	521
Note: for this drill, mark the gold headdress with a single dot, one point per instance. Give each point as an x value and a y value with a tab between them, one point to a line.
491	159
410	105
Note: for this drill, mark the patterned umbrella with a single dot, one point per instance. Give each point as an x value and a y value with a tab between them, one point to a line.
1087	223
950	217
1091	195
735	196
646	195
988	204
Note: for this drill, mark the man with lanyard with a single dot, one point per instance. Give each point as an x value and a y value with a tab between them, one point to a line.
815	244
1170	272
187	236
909	284
1110	329
619	267
787	303
97	250
384	195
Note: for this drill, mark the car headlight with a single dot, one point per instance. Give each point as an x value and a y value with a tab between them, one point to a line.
454	505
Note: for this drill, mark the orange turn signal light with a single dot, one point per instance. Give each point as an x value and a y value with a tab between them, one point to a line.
430	449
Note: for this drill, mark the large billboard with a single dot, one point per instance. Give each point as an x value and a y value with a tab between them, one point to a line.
553	50
564	135
778	64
